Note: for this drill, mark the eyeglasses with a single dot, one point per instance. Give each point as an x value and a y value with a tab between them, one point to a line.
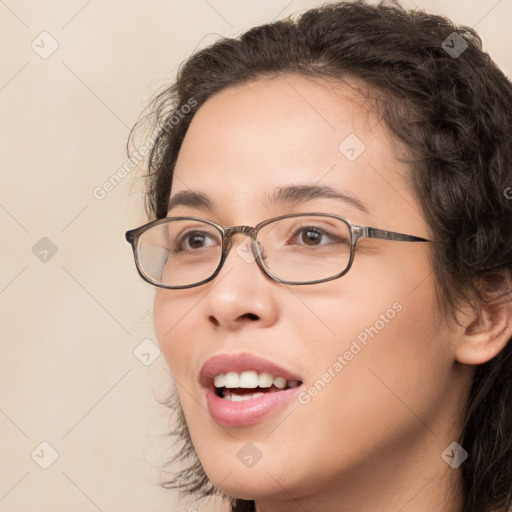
298	248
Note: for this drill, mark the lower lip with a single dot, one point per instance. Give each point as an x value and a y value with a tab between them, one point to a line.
247	412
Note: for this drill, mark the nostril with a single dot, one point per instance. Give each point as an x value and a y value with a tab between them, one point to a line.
248	316
214	321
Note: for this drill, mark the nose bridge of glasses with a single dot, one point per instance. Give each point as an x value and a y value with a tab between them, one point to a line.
246	230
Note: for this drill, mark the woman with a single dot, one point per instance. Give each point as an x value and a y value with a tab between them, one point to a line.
351	352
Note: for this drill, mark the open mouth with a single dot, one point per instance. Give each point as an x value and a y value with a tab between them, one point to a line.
243	389
238	387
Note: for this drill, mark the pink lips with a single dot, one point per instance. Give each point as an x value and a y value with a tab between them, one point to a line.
247	412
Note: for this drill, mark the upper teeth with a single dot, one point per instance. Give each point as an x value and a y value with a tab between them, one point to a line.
251	380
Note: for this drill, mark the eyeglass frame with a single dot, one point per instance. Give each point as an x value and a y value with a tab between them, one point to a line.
356	232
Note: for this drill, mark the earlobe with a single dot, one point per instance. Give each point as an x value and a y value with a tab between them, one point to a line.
485	333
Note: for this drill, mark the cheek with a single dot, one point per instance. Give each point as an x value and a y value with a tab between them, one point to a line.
394	356
387	334
173	312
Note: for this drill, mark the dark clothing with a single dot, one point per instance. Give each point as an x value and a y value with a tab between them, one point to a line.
243	506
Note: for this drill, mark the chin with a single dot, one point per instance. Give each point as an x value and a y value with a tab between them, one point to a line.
266	479
251	486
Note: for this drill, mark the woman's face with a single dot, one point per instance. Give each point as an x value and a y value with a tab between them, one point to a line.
374	362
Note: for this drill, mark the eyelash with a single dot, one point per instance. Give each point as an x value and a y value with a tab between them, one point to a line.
321	231
293	235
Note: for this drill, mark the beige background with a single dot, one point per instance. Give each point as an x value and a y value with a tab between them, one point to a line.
70	324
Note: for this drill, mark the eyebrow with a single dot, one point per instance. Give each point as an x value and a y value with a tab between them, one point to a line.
189	198
298	193
282	195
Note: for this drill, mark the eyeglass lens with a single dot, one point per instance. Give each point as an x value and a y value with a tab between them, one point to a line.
296	249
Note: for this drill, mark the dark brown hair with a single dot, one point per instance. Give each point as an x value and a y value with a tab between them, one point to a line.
453	115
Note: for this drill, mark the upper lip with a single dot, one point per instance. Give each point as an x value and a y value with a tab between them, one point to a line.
223	363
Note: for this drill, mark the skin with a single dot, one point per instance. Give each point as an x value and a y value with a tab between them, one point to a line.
372	439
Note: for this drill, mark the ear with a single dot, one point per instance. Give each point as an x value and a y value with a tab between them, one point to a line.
485	332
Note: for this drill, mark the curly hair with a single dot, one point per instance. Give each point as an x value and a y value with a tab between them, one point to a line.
452	114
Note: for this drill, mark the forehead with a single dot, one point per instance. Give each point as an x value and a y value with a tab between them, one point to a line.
247	141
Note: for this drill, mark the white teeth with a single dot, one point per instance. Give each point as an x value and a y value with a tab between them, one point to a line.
232	380
280	382
265	380
219	380
233	397
249	380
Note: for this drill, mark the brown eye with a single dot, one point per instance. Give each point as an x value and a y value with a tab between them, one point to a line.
310	236
315	236
193	240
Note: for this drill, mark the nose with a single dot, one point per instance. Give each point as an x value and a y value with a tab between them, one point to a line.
241	293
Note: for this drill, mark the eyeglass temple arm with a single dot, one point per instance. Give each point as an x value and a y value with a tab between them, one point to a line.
391	235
